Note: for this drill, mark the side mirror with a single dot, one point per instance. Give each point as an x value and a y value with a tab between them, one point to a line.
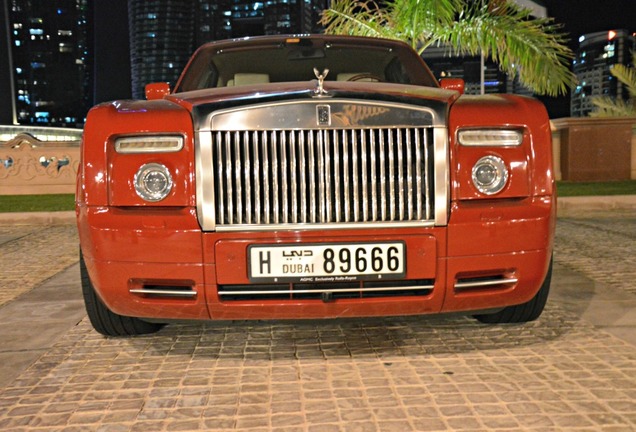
157	90
456	84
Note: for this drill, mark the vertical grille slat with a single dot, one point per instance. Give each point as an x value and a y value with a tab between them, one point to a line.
323	176
356	190
336	178
373	179
247	177
228	177
391	178
345	177
238	177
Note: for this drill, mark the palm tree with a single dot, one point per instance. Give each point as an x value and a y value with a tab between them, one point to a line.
617	107
532	49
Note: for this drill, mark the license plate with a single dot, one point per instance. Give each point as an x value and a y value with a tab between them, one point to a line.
338	262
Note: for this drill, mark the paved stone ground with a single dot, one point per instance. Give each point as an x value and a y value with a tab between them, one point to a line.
601	246
30	255
396	374
360	375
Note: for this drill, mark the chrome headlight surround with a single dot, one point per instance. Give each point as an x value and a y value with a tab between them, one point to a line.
490	137
153	182
490	175
149	144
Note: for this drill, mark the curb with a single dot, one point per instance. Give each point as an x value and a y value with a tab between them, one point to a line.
565	206
38	218
568	205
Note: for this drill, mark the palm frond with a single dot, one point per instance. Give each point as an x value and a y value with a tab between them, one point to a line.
532	49
535	50
626	75
606	106
419	21
359	18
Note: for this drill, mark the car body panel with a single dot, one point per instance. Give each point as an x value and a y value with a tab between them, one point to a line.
160	260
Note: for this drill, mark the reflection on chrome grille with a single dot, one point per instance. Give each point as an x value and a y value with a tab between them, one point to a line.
323	176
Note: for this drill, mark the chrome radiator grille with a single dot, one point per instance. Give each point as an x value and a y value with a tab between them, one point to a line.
332	176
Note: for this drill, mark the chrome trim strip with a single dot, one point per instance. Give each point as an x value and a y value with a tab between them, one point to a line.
164	293
205	195
327	226
345	113
485	283
334	290
442	177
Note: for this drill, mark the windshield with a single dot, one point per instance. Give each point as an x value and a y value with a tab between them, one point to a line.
283	62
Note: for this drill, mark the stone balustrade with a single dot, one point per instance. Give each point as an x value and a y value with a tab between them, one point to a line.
31	166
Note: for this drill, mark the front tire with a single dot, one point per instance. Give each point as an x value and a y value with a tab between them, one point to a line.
105	321
525	312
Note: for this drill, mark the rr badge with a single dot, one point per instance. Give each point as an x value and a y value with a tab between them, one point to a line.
323	115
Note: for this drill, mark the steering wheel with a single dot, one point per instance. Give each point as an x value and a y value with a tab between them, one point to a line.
362	76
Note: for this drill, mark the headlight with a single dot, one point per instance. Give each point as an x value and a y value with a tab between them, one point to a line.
490	175
149	144
490	137
153	182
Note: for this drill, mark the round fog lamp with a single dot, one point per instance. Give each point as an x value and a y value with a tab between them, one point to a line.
490	175
153	182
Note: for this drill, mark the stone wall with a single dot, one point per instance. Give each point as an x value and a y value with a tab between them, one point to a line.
31	166
594	149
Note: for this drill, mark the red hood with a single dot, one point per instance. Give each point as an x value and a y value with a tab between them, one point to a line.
307	89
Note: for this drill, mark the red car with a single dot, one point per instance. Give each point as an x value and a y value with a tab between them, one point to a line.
313	177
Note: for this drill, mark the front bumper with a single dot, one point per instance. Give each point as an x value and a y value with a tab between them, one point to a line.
488	257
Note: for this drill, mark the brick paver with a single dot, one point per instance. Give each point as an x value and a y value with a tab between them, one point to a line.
601	246
31	254
393	374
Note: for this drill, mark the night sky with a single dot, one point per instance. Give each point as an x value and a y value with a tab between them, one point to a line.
586	16
577	17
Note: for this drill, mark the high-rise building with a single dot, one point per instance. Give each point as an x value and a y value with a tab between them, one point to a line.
213	21
164	33
161	40
50	80
597	54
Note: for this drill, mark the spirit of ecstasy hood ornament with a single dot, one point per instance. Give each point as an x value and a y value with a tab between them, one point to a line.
321	79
